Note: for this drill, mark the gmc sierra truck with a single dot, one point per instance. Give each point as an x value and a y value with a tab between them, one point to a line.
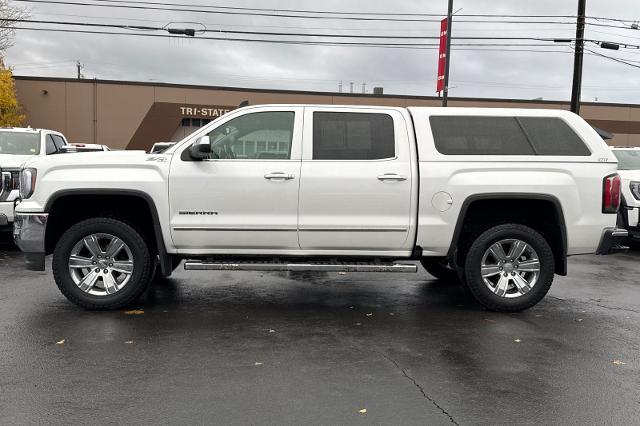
494	198
18	145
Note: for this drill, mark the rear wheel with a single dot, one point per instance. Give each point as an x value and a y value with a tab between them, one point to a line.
102	263
509	268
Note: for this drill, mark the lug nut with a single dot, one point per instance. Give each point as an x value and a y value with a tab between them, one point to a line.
97	269
506	275
106	271
501	268
94	262
513	274
111	264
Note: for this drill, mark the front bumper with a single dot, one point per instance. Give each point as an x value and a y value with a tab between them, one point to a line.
6	213
29	234
612	241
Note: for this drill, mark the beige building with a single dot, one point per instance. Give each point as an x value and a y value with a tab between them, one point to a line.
134	115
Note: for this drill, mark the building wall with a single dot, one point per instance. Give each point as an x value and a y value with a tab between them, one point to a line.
135	115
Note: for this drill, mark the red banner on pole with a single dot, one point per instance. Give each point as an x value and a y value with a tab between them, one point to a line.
442	55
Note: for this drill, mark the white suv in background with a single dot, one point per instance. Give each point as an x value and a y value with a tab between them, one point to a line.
18	145
629	170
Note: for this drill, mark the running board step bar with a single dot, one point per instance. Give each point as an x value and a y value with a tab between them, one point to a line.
196	265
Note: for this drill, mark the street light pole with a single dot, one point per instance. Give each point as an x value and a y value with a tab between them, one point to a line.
445	95
578	57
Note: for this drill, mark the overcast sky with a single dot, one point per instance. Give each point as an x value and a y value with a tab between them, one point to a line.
474	73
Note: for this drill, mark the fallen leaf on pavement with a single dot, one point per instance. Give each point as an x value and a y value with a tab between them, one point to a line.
578	319
358	323
342	273
370	315
134	312
272	331
61	342
129	342
363	411
618	362
391	313
490	320
258	363
517	340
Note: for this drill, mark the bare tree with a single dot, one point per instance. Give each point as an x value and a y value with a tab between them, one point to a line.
8	16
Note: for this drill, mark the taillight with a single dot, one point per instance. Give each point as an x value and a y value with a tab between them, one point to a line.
611	194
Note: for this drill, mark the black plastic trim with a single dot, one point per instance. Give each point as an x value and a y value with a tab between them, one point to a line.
561	269
164	257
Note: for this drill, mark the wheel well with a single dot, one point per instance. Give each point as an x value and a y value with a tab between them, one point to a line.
543	215
68	210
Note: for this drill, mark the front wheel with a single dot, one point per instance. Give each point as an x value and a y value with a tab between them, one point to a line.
102	263
509	268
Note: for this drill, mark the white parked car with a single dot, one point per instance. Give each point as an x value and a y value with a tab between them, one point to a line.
495	197
18	145
629	171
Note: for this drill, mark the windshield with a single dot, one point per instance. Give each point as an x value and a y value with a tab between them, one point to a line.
19	143
628	159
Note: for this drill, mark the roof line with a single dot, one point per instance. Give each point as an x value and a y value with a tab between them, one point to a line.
303	92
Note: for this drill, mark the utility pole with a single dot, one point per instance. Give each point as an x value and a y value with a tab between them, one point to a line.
445	96
79	67
577	60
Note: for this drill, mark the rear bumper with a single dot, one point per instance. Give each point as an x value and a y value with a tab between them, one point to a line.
29	234
612	241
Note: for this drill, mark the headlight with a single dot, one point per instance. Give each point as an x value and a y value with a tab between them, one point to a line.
635	189
27	182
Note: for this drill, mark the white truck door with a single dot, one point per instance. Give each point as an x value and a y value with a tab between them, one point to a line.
245	196
356	188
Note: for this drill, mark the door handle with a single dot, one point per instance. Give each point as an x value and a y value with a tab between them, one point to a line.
392	177
279	176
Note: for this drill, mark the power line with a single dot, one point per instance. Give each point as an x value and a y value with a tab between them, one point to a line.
263	33
324	12
416	46
283	15
614	59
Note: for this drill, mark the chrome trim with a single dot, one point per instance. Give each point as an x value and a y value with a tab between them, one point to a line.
5	181
234	229
193	265
353	229
29	231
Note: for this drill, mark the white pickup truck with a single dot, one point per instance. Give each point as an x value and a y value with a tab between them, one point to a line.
497	198
18	145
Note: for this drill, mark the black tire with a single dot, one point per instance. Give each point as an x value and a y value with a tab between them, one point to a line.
440	269
481	292
143	264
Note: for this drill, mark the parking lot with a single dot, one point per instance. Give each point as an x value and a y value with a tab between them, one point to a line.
247	348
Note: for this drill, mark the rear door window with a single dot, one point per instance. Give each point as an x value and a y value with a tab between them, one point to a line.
353	136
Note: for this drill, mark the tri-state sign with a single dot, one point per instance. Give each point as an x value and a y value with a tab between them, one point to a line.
205	112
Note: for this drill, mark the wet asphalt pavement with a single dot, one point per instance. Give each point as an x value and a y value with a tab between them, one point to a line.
276	348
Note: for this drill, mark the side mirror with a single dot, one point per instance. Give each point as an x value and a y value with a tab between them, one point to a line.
201	149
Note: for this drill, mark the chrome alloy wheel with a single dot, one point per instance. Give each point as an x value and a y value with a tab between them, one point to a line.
101	264
510	268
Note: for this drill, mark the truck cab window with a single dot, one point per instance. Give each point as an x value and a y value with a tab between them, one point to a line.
352	136
257	136
51	147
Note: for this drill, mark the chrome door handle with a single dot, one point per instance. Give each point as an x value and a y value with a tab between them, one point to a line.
279	176
393	177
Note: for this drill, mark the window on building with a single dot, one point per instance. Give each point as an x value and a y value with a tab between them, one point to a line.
483	135
352	136
186	122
